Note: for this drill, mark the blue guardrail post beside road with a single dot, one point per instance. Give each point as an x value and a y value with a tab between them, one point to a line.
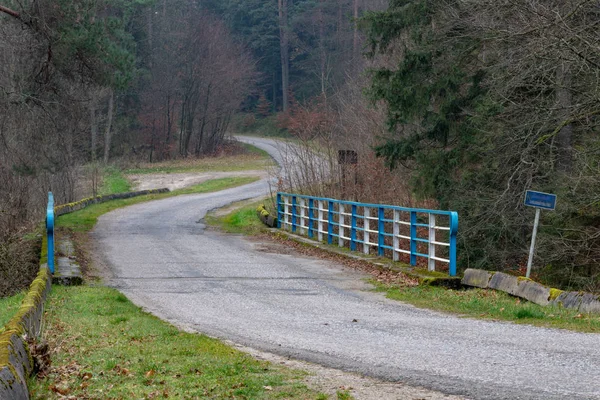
50	231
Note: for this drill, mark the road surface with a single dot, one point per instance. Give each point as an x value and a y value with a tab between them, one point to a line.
161	257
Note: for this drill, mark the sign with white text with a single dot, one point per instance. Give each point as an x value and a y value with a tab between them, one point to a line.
546	201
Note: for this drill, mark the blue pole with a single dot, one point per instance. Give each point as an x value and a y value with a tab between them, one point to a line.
330	223
453	235
50	231
381	231
353	229
413	237
279	211
311	205
294	214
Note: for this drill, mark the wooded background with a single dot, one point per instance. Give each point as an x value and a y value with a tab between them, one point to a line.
458	105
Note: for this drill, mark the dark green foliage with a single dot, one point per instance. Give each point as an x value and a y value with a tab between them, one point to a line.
476	104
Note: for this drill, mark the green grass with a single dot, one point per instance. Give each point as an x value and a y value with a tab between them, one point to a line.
85	219
242	220
9	307
344	395
114	182
107	348
491	304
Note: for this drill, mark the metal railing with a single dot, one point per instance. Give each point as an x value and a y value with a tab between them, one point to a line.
409	233
50	231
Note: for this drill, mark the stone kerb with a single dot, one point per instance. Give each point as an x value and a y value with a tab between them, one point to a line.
266	217
532	291
78	205
15	361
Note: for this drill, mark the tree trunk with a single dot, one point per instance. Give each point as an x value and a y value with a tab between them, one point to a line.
355	39
93	126
564	139
274	91
150	36
109	121
152	139
182	127
322	52
284	50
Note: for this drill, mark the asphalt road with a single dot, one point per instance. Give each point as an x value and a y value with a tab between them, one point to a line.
161	257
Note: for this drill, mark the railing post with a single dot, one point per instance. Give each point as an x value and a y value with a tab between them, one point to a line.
279	210
381	231
453	234
311	205
353	228
431	260
302	204
50	231
321	204
287	212
413	236
294	212
341	221
367	227
330	222
396	234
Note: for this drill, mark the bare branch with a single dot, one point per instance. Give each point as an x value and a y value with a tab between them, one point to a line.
10	12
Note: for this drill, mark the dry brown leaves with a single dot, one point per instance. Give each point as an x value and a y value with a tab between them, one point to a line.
40	353
380	274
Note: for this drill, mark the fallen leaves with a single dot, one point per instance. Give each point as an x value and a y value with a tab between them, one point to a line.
382	275
122	371
150	373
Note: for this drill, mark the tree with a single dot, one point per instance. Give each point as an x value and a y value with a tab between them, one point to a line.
488	99
284	44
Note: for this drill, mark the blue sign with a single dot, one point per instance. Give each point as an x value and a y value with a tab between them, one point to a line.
546	201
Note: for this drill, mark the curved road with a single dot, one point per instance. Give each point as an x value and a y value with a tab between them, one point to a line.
162	258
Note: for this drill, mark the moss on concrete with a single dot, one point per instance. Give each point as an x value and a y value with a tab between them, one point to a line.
265	216
76	205
554	293
429	274
16	326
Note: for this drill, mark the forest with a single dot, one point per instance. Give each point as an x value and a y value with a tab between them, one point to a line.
460	105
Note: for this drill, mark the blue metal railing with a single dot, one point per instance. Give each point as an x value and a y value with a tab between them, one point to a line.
412	232
50	231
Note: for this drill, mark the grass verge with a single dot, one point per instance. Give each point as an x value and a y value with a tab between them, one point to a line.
491	304
106	347
473	303
9	307
114	182
241	220
85	219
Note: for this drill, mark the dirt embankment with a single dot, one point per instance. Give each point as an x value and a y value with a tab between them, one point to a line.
179	180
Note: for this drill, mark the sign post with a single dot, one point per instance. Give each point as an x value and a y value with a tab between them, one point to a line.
538	200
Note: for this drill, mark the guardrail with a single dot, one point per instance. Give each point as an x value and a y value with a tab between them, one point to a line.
392	230
50	231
